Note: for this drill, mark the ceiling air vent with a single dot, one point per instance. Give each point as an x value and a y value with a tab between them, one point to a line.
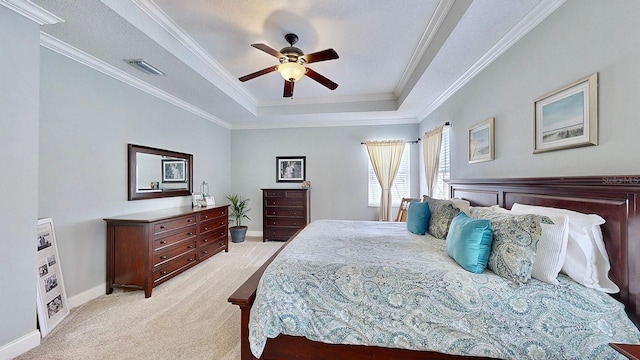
145	67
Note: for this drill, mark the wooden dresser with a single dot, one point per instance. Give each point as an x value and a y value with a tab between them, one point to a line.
284	212
147	249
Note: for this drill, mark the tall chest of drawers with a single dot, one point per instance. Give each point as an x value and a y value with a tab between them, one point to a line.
285	211
147	249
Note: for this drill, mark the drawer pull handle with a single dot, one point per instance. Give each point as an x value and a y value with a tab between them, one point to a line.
204	252
205	240
222	223
189	259
206	216
189	233
190	247
162	227
190	220
163	257
163	273
206	228
222	213
163	242
222	233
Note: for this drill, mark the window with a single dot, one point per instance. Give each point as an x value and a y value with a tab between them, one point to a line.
441	190
400	187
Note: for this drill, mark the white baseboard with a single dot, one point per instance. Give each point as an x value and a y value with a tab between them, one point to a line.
86	296
20	346
255	233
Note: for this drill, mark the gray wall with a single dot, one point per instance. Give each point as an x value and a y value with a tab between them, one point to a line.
336	166
580	38
19	46
86	121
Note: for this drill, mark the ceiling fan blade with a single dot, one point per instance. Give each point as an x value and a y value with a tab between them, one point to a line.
323	55
321	79
268	49
257	73
288	89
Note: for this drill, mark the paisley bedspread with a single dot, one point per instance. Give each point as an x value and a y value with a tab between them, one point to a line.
375	283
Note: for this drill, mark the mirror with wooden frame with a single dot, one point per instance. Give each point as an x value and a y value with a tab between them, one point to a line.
157	173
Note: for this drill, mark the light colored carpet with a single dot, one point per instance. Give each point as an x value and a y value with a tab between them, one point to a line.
187	317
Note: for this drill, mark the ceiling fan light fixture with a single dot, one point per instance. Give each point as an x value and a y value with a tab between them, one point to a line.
291	71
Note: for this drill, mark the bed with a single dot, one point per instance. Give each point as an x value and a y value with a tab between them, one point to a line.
613	198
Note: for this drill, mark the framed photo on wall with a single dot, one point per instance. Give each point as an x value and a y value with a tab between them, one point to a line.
52	297
568	117
290	168
481	142
174	170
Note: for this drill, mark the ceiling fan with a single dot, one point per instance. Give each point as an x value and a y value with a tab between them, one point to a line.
292	61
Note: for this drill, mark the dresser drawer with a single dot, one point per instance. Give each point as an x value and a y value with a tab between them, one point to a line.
213	224
275	211
211	249
173	224
163	242
286	222
279	233
160	258
213	236
284	202
175	266
214	213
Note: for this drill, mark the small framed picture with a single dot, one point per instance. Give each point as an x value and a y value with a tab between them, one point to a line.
174	170
210	200
481	142
568	117
290	168
197	199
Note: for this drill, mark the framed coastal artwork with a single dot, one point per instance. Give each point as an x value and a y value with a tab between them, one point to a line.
52	297
290	168
481	142
567	117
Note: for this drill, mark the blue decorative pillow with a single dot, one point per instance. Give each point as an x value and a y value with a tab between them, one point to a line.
469	242
418	215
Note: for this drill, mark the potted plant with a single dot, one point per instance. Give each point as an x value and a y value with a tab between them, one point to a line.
237	211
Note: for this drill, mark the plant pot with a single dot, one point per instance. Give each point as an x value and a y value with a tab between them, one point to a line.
238	233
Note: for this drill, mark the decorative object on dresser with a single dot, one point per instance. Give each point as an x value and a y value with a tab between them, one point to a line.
238	211
149	248
285	211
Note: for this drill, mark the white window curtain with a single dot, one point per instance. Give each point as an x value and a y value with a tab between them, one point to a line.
385	158
431	150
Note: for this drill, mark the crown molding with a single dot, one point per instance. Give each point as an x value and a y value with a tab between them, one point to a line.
439	15
324	123
32	11
530	21
80	56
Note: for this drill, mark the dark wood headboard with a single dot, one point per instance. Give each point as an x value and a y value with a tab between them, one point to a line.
614	198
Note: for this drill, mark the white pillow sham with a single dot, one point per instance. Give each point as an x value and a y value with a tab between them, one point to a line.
586	261
552	247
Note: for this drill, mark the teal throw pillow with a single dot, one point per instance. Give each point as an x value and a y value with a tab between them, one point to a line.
469	242
418	215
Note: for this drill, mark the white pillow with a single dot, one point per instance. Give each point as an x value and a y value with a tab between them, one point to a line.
587	261
461	204
552	247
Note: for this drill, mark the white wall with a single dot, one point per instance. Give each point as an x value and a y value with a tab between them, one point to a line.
336	166
86	121
580	38
19	46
